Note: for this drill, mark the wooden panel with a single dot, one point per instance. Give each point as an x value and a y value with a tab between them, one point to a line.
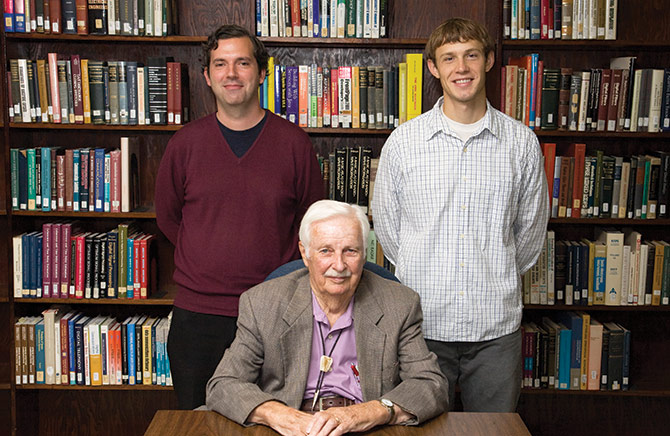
644	21
586	415
90	412
6	347
203	17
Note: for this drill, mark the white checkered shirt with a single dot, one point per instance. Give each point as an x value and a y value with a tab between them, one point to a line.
462	221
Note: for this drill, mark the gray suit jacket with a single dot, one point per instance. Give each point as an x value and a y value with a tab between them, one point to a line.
269	358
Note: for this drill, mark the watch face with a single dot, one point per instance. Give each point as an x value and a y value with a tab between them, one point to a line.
386	402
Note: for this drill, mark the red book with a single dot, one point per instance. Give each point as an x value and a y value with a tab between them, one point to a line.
181	93
65	349
115	181
545	18
82	16
136	267
80	265
66	246
334	98
170	92
91	181
604	99
295	17
77	90
46	259
326	98
578	151
55	15
31	21
55	259
549	152
146	268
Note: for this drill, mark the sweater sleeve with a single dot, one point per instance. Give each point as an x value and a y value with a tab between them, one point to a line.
169	193
309	183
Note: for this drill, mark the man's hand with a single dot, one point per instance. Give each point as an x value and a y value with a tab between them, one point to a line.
281	418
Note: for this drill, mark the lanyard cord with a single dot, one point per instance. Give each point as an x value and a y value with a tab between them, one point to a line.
322	373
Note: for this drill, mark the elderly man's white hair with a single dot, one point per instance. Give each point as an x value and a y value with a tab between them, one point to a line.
324	209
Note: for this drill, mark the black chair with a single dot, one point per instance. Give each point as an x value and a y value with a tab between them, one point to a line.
295	265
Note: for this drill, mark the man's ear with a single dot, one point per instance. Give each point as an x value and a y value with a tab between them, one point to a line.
490	60
303	253
205	73
433	69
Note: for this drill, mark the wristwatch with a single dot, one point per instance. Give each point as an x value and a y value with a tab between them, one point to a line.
388	404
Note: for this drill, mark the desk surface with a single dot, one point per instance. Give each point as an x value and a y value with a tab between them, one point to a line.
200	423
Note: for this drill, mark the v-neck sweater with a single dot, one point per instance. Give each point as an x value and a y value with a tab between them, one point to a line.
233	220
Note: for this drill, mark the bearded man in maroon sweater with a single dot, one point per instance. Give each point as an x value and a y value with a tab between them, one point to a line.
231	191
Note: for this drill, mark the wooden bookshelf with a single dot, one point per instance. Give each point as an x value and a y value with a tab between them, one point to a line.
32	410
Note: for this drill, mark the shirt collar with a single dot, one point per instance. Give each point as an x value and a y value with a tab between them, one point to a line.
342	322
437	123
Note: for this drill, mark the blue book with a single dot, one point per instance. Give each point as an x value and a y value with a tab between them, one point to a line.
122	78
278	89
535	19
9	21
20	20
574	322
107	185
72	352
584	273
565	344
46	179
39	352
535	57
258	18
32	179
130	285
99	179
131	348
76	168
292	94
14	162
316	32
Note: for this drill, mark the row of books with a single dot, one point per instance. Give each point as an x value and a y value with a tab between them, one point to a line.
574	351
322	18
64	261
618	98
66	347
615	268
71	90
371	97
347	175
94	17
560	19
607	186
76	180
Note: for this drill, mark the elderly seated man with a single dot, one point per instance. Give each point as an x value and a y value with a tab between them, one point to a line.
331	349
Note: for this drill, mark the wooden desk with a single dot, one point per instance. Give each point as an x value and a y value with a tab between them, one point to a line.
198	423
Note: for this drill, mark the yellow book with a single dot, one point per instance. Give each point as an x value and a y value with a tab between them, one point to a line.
271	84
414	84
355	98
402	92
657	282
586	334
85	91
147	351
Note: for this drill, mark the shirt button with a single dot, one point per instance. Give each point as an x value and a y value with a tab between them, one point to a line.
462	264
460	293
462	236
330	336
465	179
463	207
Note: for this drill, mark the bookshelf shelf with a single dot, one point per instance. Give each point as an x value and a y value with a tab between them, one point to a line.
5	386
87	39
54	126
162	299
95	388
598	308
347	132
148	214
395	43
630	393
583	45
611	221
596	135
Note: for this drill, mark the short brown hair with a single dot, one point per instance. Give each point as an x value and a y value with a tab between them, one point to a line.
228	31
458	30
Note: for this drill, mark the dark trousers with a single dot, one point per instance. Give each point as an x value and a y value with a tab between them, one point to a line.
488	373
195	346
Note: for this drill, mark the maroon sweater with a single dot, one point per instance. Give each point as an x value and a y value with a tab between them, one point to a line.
233	220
